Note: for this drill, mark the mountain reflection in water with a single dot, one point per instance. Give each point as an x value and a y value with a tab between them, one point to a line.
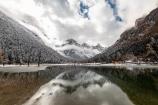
80	86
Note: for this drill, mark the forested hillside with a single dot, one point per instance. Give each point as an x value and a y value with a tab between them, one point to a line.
20	45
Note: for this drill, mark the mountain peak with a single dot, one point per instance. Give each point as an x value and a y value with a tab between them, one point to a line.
74	50
71	42
86	45
99	47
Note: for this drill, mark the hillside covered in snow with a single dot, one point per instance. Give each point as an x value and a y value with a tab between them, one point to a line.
18	44
76	51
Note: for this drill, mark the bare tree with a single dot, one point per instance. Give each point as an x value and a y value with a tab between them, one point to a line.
28	58
2	44
39	57
20	52
29	55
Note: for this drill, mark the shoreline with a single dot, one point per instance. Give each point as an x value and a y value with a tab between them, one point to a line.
42	67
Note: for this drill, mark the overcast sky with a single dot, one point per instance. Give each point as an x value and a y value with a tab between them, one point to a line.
91	21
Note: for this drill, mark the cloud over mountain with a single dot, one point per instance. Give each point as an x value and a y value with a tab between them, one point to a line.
100	21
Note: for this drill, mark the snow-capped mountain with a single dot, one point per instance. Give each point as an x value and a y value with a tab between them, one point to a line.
74	50
19	44
99	21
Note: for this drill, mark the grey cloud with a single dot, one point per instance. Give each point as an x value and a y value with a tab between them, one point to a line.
81	33
111	33
73	31
89	31
60	7
56	10
29	19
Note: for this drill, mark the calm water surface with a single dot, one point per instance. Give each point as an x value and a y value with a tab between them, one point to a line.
80	86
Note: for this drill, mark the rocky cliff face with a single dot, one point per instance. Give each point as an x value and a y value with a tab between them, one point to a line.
139	43
18	44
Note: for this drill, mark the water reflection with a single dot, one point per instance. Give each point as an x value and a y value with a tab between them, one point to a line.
80	88
70	84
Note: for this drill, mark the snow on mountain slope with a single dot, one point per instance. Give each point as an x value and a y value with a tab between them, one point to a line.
72	49
19	44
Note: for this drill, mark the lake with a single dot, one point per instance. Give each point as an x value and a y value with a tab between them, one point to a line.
80	85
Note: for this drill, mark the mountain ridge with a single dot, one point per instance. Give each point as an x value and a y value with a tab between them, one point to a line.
78	51
19	44
138	43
